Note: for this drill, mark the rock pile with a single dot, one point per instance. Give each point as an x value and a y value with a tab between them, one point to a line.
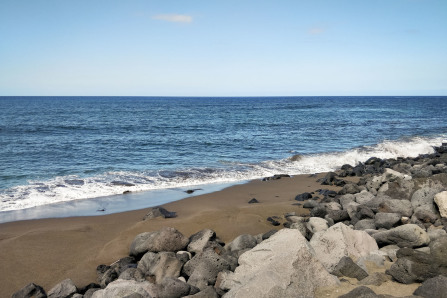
397	211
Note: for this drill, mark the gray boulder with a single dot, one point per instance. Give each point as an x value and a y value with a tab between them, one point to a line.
387	220
409	235
281	266
338	241
241	242
363	197
199	240
173	288
425	195
65	288
438	252
203	268
166	239
403	207
349	188
433	287
436	233
338	215
30	290
160	265
411	266
365	224
347	267
360	292
208	292
124	288
317	224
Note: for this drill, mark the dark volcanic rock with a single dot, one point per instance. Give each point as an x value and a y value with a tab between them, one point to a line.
412	266
273	221
360	292
433	287
30	290
303	196
338	215
253	201
159	212
347	267
387	220
276	177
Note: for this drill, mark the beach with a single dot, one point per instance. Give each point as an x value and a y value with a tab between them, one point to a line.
47	251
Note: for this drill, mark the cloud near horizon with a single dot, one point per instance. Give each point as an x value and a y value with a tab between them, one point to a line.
175	18
316	30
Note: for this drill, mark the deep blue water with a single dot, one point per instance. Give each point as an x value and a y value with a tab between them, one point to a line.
55	149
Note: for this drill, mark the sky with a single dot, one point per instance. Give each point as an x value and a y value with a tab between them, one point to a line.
223	48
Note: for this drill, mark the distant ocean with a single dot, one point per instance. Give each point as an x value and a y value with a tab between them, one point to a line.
66	149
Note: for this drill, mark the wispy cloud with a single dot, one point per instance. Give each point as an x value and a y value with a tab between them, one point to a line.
175	18
316	30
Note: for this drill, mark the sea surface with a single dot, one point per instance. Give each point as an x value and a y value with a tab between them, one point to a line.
75	150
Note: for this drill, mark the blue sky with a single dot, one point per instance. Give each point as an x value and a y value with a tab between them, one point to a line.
223	48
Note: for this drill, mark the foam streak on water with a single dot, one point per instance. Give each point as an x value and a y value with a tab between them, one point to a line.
73	187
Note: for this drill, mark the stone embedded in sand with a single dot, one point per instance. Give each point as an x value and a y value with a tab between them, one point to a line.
166	239
347	267
159	212
339	241
282	266
441	200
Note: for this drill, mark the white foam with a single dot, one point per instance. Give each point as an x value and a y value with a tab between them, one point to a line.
38	193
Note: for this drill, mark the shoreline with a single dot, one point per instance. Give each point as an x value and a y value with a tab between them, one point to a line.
45	251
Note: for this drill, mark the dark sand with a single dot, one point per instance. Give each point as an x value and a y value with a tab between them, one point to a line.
47	251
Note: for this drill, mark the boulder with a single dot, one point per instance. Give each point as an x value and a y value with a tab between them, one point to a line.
441	201
340	241
347	267
124	288
387	220
363	197
434	234
409	235
173	288
349	188
159	212
241	242
203	268
166	239
425	195
160	265
403	207
411	266
281	266
199	240
338	215
390	251
310	204
253	201
302	227
360	292
365	224
208	292
433	287
400	189
438	252
317	224
30	290
65	288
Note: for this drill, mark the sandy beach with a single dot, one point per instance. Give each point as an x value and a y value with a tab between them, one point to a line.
47	251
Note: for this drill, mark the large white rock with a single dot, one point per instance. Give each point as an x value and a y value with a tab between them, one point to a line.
317	224
441	201
123	288
282	266
339	241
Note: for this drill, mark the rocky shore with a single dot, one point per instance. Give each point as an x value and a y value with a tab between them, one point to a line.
388	226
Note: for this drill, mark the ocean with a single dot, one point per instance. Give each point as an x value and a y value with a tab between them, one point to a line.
64	156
